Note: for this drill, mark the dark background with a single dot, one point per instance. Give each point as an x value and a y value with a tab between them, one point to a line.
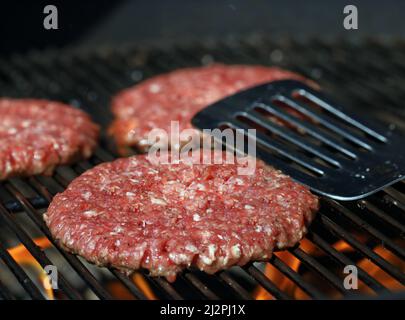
90	23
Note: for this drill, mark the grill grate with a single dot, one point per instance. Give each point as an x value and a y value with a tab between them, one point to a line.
367	76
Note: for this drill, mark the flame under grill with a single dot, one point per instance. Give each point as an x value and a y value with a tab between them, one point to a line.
363	233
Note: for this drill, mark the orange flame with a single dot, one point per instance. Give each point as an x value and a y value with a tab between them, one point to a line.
120	292
283	282
380	274
293	290
144	286
22	256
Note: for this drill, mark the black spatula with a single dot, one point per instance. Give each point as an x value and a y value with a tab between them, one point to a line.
318	143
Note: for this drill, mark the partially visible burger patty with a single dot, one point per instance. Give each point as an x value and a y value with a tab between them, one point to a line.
179	95
132	214
37	135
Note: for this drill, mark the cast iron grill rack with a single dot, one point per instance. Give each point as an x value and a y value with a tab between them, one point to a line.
370	232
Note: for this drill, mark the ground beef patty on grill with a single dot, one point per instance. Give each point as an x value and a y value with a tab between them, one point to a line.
133	214
179	95
37	135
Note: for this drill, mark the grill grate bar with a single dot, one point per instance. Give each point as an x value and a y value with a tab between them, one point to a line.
265	282
36	251
36	202
168	288
375	258
163	284
129	284
206	292
384	216
20	274
73	260
327	275
395	194
395	202
5	293
78	266
343	260
296	278
235	286
66	77
374	232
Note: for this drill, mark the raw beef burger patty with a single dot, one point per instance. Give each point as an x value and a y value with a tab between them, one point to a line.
179	95
37	135
133	214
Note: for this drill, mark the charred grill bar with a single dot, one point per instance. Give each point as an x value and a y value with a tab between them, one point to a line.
367	75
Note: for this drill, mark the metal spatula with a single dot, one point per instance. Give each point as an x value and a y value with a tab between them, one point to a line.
303	133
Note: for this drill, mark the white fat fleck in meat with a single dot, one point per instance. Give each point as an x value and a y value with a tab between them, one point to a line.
154	88
281	244
235	251
118	229
239	182
191	248
209	210
91	213
283	200
179	258
249	207
56	145
200	187
9	167
118	242
37	155
158	201
91	245
209	259
205	234
258	228
25	123
230	202
87	195
196	217
12	131
138	173
104	252
268	230
212	248
130	194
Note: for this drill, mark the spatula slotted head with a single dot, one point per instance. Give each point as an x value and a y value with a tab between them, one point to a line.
318	143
